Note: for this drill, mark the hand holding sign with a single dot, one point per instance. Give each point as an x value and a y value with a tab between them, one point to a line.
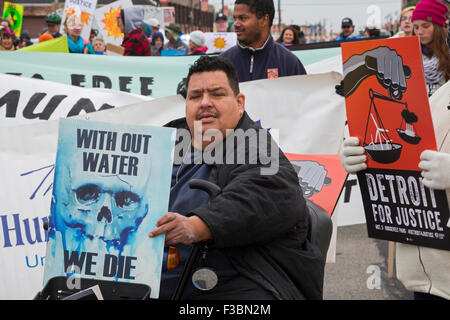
435	166
352	155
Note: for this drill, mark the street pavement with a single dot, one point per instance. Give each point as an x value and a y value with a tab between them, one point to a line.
361	269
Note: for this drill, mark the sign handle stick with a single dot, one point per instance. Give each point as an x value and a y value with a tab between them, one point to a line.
391	253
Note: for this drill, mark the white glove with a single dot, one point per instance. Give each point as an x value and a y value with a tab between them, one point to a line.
436	169
352	155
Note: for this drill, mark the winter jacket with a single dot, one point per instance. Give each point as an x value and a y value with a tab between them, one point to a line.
425	269
272	60
353	36
199	51
261	221
135	42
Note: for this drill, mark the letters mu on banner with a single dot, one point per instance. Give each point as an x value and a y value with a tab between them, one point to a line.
392	120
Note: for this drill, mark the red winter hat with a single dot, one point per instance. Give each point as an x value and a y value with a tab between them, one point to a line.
430	10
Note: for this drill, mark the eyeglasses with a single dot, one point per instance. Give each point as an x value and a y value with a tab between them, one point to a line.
346	27
405	18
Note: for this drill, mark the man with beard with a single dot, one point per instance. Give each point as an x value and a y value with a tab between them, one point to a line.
257	55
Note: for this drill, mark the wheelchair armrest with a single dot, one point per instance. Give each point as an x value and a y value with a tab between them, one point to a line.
321	227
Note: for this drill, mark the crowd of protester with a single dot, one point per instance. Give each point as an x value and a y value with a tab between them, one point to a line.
172	37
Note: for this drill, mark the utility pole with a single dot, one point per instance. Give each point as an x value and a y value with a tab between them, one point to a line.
222	5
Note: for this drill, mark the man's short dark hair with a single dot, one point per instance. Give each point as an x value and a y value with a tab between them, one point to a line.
260	8
215	63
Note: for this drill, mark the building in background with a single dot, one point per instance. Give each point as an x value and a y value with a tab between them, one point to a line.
188	13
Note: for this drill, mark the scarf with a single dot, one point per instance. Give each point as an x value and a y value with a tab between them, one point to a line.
434	77
76	47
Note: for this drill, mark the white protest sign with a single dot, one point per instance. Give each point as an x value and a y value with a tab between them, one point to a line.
106	18
217	42
86	10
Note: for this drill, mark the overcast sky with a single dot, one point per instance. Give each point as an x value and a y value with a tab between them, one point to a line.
313	11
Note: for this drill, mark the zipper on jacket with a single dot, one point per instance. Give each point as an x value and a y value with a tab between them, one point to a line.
251	63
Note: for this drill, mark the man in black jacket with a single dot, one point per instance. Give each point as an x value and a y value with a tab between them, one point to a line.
257	227
257	55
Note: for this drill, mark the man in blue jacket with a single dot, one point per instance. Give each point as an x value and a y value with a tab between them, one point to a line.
257	55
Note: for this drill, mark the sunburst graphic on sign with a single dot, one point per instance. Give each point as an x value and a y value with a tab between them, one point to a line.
220	43
85	17
110	22
70	11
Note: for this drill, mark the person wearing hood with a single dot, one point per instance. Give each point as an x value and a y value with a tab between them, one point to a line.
197	43
173	34
135	41
157	43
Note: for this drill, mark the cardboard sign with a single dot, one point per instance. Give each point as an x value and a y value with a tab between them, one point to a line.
321	178
111	185
112	49
388	110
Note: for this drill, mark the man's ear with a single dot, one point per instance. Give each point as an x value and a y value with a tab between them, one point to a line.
265	19
241	103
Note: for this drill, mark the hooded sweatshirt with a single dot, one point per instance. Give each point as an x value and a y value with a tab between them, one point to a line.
135	42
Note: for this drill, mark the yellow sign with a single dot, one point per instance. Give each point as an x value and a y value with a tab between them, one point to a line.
14	13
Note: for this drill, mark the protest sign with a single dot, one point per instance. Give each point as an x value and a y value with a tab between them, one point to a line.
387	109
321	178
217	42
106	19
24	100
169	16
111	186
14	12
85	9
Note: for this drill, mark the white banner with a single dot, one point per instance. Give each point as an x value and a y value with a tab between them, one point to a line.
26	100
305	110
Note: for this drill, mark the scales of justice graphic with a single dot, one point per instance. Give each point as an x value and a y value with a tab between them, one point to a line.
381	143
381	147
